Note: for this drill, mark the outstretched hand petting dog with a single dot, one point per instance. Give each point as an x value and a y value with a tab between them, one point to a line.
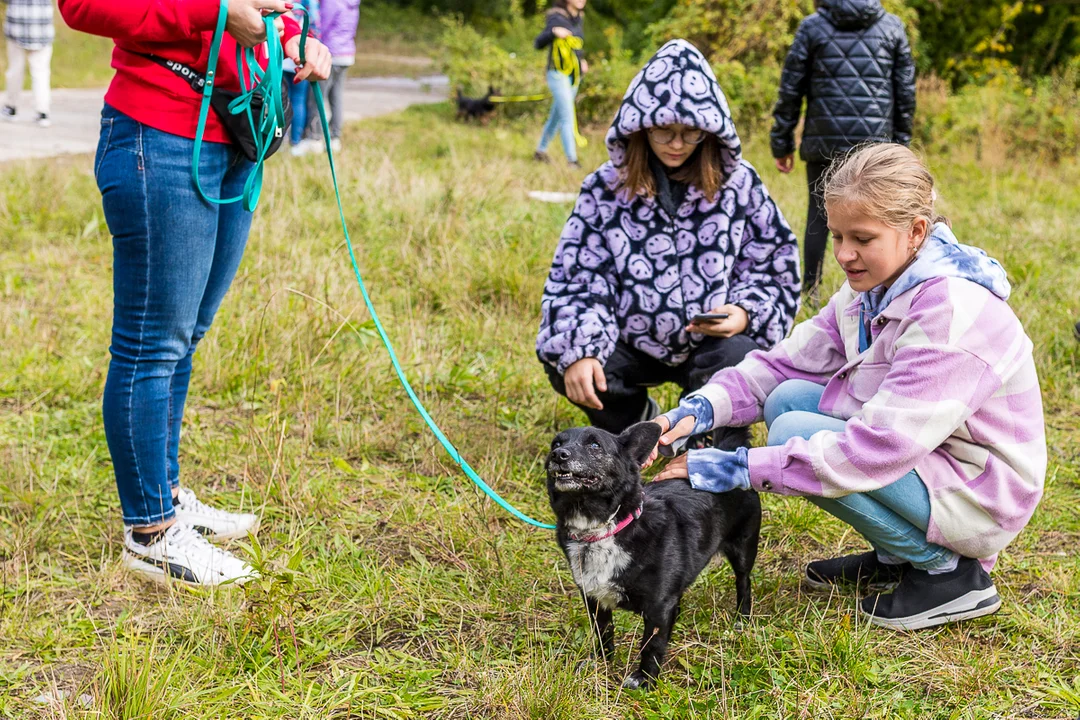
708	469
693	416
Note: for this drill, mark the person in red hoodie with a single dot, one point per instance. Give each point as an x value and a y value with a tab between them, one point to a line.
174	256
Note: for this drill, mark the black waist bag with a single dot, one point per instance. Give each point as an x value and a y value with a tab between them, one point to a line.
236	125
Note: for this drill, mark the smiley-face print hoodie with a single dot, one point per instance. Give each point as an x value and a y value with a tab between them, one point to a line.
625	269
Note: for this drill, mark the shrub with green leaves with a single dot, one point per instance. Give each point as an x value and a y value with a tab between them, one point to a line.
1006	115
473	62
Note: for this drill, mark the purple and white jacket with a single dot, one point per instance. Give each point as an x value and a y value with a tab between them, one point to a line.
947	386
625	270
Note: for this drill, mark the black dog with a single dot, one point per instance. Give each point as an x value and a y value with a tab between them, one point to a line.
480	109
639	547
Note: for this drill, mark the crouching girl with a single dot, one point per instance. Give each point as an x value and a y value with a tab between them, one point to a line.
909	407
676	224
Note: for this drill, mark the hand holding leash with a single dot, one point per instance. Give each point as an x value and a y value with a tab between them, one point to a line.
316	62
246	20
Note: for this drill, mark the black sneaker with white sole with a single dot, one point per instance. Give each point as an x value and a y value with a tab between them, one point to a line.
181	554
922	600
854	570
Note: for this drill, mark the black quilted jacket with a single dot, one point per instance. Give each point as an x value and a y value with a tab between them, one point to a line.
852	62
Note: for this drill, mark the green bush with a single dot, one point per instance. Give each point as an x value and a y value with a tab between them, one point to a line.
603	88
472	62
1005	116
748	31
751	93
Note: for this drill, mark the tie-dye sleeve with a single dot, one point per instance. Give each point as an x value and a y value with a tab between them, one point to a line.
578	306
765	279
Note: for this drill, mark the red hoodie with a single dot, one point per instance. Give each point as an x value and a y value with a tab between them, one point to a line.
179	30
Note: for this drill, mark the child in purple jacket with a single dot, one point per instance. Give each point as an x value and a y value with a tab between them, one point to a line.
338	23
909	407
676	224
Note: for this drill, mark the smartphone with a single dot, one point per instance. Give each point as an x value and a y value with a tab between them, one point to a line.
705	317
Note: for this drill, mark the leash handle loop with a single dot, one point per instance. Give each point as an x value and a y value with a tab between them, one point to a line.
253	80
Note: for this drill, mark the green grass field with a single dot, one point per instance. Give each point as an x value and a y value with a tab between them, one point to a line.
414	597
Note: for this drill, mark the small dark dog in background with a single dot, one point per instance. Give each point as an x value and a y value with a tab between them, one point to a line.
639	547
480	109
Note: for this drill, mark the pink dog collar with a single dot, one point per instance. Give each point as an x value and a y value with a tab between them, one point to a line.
622	525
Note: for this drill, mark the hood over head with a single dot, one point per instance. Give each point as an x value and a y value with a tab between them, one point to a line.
675	86
851	14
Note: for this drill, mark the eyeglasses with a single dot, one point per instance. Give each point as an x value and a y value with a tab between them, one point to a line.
664	136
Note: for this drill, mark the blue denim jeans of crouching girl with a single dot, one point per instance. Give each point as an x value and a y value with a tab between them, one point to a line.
561	119
894	518
174	257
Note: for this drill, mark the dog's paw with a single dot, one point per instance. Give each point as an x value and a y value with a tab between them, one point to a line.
638	681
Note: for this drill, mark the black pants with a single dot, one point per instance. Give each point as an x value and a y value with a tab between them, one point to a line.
816	240
630	373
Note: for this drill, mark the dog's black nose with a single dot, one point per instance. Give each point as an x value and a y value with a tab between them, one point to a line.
561	454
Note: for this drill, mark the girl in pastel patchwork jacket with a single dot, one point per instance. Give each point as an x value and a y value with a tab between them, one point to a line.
676	224
909	407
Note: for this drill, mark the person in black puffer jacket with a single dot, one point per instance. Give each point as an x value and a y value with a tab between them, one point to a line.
852	62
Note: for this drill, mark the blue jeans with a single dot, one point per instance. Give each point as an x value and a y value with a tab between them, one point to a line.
174	256
893	519
298	93
561	118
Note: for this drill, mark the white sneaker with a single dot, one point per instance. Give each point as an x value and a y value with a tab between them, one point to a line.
335	144
183	555
43	120
213	523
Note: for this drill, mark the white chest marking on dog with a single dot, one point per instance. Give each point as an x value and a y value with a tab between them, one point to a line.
594	565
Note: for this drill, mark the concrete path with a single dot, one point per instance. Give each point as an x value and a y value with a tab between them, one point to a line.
76	114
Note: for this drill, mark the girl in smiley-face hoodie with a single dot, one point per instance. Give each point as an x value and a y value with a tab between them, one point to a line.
675	225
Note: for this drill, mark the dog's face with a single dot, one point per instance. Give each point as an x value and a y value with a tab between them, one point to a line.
588	460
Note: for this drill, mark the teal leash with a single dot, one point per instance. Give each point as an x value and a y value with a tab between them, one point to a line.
269	84
253	81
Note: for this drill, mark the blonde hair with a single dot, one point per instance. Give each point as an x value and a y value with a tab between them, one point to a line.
886	181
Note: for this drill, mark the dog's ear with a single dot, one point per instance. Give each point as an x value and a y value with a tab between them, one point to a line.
639	440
